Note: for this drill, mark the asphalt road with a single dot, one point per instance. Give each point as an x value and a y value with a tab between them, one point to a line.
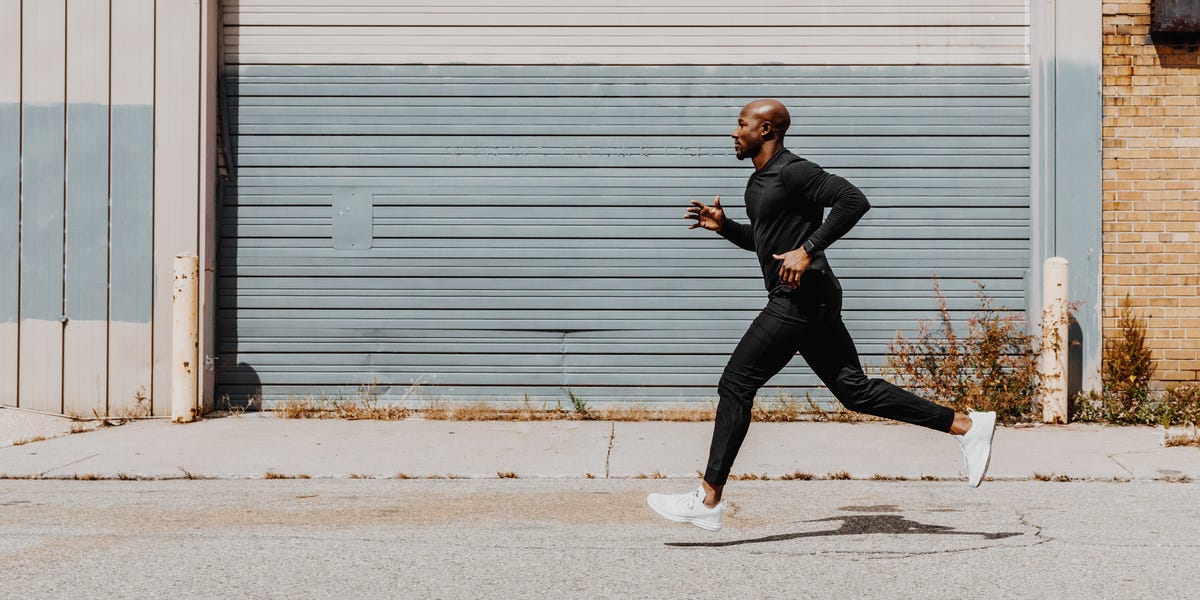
580	538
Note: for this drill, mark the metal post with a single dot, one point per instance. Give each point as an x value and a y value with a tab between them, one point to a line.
1052	366
185	340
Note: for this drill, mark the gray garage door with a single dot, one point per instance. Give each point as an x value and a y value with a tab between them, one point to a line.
484	202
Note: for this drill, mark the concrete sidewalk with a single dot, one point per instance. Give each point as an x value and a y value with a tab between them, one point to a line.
254	445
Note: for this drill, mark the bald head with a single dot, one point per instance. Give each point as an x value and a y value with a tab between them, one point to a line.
772	111
760	130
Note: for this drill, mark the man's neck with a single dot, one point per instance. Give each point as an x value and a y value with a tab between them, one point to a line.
766	153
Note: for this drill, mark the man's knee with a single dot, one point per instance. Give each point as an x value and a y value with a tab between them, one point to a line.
736	389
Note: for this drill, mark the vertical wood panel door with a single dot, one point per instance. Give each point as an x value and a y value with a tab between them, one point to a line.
10	196
484	201
131	249
85	331
43	196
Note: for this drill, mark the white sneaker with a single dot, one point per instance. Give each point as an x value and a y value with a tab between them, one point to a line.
977	446
688	508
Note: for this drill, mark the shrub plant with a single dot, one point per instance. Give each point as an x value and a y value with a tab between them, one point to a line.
990	366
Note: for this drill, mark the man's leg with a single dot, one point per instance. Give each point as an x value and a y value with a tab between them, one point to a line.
831	353
834	359
765	348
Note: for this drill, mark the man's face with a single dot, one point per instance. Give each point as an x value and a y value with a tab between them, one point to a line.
748	135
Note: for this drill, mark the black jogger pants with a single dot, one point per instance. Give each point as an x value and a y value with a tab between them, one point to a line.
807	320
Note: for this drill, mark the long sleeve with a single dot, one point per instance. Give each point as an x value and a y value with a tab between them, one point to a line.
738	233
847	205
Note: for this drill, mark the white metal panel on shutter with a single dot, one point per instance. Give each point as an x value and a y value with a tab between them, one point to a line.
486	202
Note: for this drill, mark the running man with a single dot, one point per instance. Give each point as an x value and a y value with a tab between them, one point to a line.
785	200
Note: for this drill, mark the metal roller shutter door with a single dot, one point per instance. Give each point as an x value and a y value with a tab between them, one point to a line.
486	202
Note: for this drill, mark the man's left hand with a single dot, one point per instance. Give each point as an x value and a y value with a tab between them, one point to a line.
794	265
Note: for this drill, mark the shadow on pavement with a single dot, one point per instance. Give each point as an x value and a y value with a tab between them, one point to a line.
856	525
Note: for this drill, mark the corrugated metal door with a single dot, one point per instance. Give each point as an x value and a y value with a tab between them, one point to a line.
486	202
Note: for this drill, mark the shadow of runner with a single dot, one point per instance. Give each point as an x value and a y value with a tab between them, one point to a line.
856	525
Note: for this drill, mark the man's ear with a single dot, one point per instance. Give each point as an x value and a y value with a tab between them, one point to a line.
768	130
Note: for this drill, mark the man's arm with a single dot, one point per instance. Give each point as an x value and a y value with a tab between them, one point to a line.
847	205
738	233
809	182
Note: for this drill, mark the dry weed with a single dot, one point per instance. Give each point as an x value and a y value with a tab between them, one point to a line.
236	409
1051	477
994	367
635	412
1186	439
748	477
840	475
506	475
783	409
362	404
30	440
797	476
479	411
486	411
655	475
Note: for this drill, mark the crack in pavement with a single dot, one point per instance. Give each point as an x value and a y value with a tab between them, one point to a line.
612	435
74	462
1113	458
1037	529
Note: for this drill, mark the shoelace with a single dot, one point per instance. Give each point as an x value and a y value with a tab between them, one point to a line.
691	498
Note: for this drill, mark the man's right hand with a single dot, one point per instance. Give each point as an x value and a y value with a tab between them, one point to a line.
708	217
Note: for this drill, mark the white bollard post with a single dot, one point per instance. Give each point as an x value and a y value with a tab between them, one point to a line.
185	343
1052	365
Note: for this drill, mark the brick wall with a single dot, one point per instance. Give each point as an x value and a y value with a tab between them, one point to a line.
1152	186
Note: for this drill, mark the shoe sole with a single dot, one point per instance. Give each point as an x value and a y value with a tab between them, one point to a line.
987	463
689	520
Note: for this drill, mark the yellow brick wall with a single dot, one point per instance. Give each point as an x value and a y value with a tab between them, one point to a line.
1152	186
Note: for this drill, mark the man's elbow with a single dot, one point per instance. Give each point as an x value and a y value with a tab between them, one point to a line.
858	200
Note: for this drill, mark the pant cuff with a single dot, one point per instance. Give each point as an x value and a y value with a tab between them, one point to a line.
715	478
945	419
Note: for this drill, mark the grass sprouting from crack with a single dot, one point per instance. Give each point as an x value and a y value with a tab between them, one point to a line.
797	476
1051	477
30	440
